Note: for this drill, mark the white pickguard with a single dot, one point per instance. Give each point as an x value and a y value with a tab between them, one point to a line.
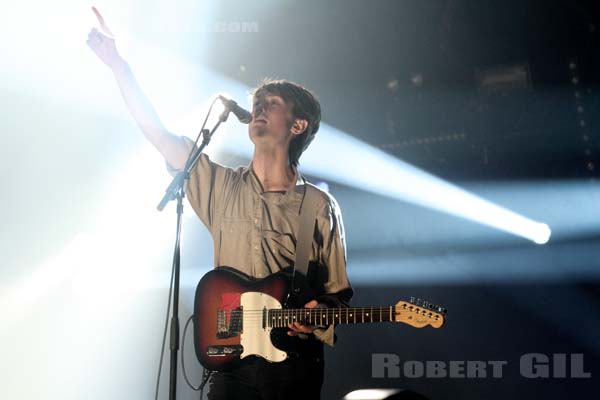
255	339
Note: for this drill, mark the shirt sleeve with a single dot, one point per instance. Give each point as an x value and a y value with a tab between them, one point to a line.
206	186
332	254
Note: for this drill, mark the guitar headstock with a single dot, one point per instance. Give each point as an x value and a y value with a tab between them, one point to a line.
420	313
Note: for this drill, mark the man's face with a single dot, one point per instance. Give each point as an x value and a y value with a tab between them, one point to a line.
272	119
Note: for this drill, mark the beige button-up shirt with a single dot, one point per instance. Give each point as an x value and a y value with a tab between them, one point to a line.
255	231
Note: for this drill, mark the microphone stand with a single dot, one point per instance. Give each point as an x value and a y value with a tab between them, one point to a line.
175	190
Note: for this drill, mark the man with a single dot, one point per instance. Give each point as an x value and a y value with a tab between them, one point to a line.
253	215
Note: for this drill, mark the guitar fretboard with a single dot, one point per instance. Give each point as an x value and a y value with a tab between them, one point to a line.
281	318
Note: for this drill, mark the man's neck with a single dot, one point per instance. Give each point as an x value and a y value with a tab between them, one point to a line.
273	170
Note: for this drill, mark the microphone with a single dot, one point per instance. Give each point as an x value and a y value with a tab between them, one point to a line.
244	116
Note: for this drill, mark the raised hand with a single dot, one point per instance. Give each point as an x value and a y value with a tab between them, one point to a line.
103	44
173	149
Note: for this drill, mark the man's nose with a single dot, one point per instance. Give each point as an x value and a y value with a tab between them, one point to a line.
259	108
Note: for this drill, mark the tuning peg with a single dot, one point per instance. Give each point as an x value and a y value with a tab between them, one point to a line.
441	310
412	299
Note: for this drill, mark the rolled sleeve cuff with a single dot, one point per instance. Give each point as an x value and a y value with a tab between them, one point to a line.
325	335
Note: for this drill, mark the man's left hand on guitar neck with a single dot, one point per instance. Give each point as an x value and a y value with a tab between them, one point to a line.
297	328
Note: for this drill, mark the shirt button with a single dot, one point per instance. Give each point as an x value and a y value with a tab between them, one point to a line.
256	221
255	247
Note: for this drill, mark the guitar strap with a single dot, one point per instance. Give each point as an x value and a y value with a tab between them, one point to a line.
308	218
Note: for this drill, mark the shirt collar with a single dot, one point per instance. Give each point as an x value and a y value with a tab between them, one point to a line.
257	186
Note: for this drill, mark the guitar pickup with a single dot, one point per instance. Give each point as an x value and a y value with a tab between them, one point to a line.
229	323
220	351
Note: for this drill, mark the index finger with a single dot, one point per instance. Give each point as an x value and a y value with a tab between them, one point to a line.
101	21
311	304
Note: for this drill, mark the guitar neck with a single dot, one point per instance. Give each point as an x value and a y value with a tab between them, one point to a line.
280	318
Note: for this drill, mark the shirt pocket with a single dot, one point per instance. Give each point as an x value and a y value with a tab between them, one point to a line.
235	244
281	248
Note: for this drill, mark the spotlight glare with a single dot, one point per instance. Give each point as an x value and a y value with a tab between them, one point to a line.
359	165
543	234
370	394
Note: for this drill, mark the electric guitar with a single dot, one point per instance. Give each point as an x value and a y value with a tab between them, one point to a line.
236	316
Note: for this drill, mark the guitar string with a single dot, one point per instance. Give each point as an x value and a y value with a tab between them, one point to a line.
278	315
278	311
316	311
251	317
271	314
281	320
325	311
375	308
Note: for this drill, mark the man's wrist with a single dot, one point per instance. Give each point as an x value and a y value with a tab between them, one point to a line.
119	66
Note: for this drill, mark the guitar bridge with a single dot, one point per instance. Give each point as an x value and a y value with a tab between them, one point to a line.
229	323
221	351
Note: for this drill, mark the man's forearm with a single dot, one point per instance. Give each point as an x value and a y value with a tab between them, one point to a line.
168	144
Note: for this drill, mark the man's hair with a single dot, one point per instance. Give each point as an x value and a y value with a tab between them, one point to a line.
304	106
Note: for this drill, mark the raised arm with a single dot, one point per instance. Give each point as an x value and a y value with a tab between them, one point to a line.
171	146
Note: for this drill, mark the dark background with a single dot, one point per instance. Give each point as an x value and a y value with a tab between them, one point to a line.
405	76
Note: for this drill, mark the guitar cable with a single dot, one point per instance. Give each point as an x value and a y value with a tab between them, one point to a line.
164	339
205	372
195	389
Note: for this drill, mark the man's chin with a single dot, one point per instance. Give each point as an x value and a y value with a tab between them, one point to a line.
256	133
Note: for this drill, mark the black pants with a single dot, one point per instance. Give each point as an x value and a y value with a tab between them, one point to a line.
257	379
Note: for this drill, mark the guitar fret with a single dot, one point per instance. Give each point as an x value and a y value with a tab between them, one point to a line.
280	318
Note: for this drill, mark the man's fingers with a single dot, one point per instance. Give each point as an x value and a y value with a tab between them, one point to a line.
311	304
94	38
98	39
103	25
297	327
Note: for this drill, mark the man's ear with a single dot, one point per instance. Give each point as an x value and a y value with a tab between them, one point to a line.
299	126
